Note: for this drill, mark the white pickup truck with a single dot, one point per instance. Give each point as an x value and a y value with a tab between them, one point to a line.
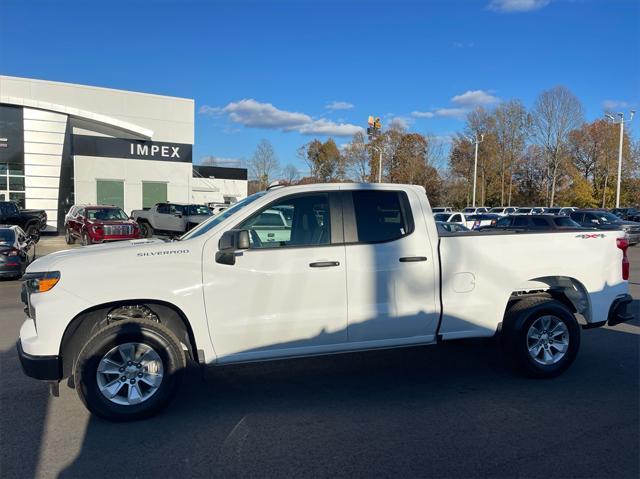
361	267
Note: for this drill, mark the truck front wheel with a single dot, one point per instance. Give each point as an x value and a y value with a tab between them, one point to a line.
541	336
129	370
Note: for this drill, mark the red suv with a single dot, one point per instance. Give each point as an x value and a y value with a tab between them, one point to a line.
97	224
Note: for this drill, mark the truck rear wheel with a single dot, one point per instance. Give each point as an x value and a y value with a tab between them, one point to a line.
129	370
146	230
541	336
32	231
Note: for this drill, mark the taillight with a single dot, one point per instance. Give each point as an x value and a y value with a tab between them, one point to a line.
13	252
623	244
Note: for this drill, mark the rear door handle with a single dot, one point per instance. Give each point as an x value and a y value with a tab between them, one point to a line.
413	259
324	264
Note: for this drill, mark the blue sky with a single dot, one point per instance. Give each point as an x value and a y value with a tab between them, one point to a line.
290	71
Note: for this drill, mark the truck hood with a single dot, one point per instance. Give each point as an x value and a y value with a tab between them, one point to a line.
87	254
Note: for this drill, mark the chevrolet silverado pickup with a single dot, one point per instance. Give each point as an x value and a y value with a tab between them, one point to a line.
352	267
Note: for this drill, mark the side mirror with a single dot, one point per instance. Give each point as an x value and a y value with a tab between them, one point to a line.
230	242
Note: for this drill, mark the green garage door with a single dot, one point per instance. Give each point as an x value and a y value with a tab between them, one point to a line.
110	192
153	193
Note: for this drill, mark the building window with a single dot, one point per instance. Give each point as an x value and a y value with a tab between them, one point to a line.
110	192
152	193
12	183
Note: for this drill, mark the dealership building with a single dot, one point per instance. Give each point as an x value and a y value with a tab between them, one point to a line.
63	144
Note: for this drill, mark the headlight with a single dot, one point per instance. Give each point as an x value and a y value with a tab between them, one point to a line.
41	282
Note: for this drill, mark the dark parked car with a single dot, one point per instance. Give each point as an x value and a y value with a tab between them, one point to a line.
17	250
628	214
30	221
444	227
97	224
535	223
603	220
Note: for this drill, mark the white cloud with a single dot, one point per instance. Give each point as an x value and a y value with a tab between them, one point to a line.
610	105
326	127
463	44
511	6
457	113
339	105
399	123
474	98
254	114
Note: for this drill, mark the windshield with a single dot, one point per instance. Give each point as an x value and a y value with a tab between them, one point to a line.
553	211
496	210
219	218
106	214
7	236
195	210
605	217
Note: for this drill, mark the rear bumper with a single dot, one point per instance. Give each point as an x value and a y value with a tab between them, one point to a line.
45	368
9	269
618	311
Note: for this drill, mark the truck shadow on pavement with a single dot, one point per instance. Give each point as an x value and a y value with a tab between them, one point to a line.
417	412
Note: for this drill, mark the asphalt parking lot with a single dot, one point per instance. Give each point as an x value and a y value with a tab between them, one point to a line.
450	411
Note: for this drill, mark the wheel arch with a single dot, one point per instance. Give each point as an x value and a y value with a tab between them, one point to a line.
83	325
565	289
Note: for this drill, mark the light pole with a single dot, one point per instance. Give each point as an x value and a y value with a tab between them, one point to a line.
622	121
373	132
475	164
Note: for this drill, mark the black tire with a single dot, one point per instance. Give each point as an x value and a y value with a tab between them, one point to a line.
32	231
68	238
146	230
519	319
154	335
85	239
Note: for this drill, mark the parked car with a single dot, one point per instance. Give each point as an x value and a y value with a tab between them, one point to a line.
450	227
30	221
442	209
170	218
627	214
475	222
603	220
535	223
363	268
503	210
472	210
99	224
217	207
536	210
557	210
17	250
455	217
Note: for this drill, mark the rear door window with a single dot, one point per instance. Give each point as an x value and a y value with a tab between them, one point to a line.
381	215
521	221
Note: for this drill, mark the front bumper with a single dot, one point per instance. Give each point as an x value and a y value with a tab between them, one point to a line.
46	368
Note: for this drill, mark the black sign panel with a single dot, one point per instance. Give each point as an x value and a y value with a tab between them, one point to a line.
11	135
220	172
86	145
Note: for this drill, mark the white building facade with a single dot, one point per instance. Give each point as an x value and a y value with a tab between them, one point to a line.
63	144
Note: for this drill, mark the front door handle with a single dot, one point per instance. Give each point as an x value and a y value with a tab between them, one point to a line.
324	264
413	259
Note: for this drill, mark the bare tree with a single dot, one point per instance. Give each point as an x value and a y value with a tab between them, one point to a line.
264	165
511	132
556	112
290	174
356	157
